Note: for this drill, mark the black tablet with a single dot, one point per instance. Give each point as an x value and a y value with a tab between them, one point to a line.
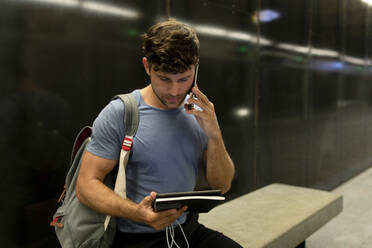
197	201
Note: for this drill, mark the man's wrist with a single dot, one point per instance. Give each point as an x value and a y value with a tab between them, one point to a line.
129	210
216	138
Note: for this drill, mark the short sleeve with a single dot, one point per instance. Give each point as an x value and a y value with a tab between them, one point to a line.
108	131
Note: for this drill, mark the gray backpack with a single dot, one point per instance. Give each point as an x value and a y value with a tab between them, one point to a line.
77	225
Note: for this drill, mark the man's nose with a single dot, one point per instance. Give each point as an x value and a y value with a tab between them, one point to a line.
174	88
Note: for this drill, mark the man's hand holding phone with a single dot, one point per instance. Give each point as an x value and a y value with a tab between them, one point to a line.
205	114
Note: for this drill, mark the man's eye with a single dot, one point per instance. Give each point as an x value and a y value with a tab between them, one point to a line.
164	79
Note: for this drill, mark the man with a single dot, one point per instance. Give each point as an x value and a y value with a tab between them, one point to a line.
171	142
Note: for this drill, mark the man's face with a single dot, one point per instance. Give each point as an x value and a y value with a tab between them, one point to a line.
171	89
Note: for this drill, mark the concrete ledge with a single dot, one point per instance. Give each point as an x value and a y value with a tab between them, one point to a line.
274	216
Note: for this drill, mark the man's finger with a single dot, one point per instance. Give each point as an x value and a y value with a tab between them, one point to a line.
194	111
171	213
169	219
197	102
147	201
200	95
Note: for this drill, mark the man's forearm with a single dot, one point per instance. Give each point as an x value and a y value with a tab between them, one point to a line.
219	166
104	200
94	194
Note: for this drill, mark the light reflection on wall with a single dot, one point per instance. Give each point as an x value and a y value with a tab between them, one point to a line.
245	36
327	65
110	9
242	112
264	16
235	35
92	6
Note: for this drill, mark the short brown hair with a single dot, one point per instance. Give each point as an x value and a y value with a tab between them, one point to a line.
171	46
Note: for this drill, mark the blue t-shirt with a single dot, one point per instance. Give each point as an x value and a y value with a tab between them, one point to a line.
167	150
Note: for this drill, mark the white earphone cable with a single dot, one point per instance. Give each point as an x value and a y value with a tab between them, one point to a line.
170	230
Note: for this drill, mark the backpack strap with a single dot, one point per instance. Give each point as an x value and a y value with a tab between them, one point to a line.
131	120
131	114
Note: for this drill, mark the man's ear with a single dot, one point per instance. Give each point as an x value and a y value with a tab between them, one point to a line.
146	65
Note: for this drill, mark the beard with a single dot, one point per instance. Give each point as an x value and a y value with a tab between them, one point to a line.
169	101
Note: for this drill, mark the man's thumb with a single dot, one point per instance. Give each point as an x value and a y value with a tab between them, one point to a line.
147	201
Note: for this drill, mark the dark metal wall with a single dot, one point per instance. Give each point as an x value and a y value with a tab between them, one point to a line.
290	81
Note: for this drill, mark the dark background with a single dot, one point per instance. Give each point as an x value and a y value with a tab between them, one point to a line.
292	95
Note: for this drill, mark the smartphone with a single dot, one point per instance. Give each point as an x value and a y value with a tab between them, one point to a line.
191	106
